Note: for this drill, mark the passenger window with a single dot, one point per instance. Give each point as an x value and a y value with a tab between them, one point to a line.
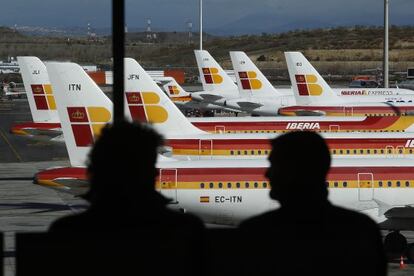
389	183
380	183
407	184
211	185
238	185
345	184
202	185
220	185
229	185
247	184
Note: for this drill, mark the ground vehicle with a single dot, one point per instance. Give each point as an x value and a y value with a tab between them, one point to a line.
363	84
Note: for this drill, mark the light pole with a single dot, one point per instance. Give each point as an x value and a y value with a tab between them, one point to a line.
201	24
386	45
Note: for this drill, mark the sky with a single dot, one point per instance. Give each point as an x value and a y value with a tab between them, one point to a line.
220	16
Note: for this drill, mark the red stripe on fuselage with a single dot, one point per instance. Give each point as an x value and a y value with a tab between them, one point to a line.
244	174
369	123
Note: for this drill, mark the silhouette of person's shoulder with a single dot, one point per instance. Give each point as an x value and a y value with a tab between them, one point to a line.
332	220
335	240
111	220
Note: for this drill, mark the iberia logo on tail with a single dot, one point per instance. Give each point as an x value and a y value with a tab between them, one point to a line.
43	96
211	76
307	85
249	80
87	123
144	107
173	90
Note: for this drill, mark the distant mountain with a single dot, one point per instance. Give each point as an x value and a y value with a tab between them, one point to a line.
282	22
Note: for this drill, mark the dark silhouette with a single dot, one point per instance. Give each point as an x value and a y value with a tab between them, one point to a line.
122	191
307	235
128	219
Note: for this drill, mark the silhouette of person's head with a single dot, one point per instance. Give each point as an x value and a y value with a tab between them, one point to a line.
299	163
121	164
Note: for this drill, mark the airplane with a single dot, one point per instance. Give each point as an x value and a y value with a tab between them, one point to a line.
9	93
185	141
225	191
41	100
259	97
315	97
153	106
282	124
184	100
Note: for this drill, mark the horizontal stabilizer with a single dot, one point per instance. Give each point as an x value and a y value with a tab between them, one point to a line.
249	105
210	97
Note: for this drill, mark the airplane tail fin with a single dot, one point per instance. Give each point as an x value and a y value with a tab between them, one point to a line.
308	85
250	80
40	94
212	75
83	108
176	92
146	102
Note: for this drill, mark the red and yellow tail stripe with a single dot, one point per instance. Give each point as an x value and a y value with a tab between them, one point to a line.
43	96
87	123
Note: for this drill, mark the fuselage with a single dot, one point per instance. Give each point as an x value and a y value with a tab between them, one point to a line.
213	146
226	192
270	104
316	123
354	109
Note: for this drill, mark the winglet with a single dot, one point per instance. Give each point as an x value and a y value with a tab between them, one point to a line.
308	85
83	108
40	94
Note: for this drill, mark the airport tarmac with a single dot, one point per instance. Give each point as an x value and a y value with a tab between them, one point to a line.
25	206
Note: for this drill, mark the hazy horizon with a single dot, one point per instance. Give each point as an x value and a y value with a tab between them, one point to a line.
220	16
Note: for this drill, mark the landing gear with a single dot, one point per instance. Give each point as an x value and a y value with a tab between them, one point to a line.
395	245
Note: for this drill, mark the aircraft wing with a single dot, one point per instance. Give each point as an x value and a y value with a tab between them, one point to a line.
249	105
210	97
